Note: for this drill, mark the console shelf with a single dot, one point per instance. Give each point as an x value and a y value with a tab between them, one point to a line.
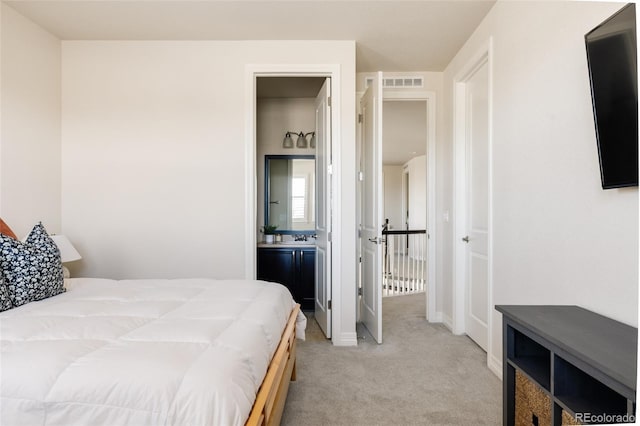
531	358
585	362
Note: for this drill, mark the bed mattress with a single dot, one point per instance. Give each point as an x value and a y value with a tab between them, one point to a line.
190	351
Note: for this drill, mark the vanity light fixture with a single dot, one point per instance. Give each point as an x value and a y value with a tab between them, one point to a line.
301	142
287	142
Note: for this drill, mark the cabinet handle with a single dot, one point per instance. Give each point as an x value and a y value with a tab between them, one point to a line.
293	254
301	255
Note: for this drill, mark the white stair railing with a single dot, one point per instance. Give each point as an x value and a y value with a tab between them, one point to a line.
404	262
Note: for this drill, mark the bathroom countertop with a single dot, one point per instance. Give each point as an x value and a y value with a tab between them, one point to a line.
301	244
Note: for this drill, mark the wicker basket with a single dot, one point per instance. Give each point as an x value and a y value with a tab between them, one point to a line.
532	405
567	419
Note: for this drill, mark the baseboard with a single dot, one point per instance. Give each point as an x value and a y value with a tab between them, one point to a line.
437	317
495	365
447	321
345	339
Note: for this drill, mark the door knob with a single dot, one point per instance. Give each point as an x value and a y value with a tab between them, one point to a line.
465	239
378	241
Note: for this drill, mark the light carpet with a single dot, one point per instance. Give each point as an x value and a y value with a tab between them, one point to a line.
420	375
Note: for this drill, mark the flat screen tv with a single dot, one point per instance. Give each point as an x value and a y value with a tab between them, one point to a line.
612	60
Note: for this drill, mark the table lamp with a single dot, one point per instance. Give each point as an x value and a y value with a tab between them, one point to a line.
68	252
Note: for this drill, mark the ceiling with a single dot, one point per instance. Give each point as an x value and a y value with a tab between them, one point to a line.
288	87
390	35
398	35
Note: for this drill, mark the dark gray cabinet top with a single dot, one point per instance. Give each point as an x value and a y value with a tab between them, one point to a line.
601	343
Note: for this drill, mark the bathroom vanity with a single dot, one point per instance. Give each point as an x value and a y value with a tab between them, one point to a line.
289	204
292	265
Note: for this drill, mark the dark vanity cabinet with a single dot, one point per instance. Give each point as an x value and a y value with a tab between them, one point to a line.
293	267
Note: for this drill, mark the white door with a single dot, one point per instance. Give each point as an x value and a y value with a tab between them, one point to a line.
323	210
477	204
371	226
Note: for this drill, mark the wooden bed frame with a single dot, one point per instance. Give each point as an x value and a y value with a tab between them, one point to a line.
269	404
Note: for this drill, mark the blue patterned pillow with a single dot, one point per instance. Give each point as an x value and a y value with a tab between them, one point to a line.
5	300
33	269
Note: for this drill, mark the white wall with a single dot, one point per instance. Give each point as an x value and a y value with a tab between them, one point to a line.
153	140
415	174
392	188
416	168
153	149
30	125
404	130
558	237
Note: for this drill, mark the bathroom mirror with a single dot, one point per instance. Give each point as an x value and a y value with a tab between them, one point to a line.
290	193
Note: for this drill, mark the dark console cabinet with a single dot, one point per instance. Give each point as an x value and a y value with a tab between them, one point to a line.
581	365
292	267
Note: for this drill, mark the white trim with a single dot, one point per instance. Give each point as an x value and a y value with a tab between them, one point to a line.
495	365
338	337
492	313
430	98
346	339
483	56
252	71
447	321
459	185
250	173
358	203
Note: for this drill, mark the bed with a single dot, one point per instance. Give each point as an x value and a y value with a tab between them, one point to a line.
191	351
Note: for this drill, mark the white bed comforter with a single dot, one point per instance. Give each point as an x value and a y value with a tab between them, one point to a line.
182	352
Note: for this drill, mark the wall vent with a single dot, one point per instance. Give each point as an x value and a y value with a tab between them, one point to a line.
408	82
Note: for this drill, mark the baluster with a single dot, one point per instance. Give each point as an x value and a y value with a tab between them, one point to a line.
405	264
422	255
414	262
407	278
407	275
419	277
422	262
394	271
387	263
394	268
405	260
384	271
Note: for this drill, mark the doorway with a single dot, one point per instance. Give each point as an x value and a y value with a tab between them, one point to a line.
404	168
292	123
427	187
371	233
473	199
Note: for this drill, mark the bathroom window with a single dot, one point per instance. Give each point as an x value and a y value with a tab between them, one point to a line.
299	199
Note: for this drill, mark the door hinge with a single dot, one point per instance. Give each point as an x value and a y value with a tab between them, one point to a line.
329	101
329	236
330	169
329	304
360	176
359	118
359	291
360	260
